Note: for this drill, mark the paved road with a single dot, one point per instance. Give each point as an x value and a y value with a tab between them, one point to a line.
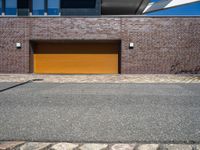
4	86
101	112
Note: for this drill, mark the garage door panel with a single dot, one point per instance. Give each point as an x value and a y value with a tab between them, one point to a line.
77	48
98	62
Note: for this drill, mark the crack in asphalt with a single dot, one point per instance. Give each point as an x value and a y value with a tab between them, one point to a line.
20	84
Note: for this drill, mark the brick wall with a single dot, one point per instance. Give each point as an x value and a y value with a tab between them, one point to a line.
162	45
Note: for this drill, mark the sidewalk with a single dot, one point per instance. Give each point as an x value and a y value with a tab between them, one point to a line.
135	78
94	146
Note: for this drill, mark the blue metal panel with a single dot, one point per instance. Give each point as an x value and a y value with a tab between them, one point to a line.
38	7
53	7
0	7
11	7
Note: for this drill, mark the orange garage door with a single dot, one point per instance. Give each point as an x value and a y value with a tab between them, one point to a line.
76	58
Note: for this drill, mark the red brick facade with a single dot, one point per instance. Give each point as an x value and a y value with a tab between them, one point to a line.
162	45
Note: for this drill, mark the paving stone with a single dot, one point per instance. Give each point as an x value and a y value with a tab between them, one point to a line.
93	146
178	147
35	146
10	145
148	147
64	146
197	147
123	147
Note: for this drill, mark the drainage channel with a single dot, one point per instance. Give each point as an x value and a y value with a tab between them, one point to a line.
20	84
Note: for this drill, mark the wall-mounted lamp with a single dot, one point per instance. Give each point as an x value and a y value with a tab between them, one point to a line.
18	45
131	45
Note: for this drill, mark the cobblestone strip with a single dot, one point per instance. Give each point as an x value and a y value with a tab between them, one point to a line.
93	146
122	147
10	145
64	146
134	78
147	147
197	147
178	147
35	146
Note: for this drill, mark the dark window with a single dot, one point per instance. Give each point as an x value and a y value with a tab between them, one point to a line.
23	7
0	7
78	3
38	7
23	3
53	7
80	7
11	7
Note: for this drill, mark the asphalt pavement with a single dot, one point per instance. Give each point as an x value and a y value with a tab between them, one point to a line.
100	112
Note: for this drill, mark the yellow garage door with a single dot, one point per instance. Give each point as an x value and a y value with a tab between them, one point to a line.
76	58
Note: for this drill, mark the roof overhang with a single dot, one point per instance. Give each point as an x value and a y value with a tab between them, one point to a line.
123	7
